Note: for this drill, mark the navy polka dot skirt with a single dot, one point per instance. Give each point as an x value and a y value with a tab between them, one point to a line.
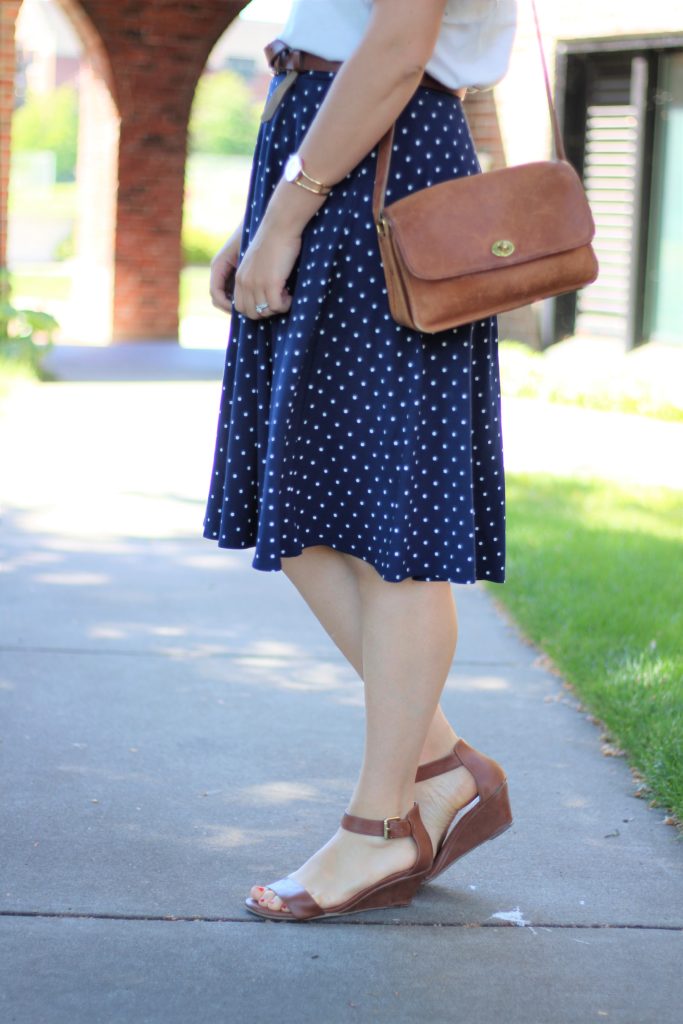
337	425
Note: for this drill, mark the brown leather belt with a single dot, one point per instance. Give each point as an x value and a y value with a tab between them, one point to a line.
281	58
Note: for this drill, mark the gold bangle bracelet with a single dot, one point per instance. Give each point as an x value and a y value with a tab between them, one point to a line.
323	191
315	181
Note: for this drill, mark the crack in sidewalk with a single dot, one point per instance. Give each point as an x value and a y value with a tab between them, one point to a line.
75	915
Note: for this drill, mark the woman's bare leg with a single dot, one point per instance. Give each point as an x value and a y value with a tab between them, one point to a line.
328	584
408	635
326	580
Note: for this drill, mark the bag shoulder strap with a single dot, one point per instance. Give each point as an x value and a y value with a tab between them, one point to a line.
387	140
554	122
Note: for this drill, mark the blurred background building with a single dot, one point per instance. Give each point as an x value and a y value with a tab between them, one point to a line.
132	131
618	79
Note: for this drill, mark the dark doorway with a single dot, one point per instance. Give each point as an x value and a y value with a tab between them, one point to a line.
622	108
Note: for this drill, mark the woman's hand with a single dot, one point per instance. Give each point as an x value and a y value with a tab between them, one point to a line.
223	266
265	267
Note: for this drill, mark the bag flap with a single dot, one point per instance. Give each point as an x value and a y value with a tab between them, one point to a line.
448	229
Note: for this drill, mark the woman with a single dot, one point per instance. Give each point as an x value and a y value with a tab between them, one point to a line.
361	458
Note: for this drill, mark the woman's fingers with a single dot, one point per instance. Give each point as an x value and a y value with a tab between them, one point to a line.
263	273
243	300
279	300
221	284
222	273
247	298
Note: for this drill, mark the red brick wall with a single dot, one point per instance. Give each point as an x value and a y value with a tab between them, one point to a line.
157	50
8	13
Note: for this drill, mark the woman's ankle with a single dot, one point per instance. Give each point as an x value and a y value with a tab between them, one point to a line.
439	742
381	804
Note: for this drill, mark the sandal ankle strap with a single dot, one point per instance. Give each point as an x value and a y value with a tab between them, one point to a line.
396	828
439	766
487	773
387	828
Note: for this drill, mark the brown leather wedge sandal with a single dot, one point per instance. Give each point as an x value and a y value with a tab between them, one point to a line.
490	814
395	890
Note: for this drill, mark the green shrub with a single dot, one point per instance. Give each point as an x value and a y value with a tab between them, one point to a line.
26	335
49	121
224	117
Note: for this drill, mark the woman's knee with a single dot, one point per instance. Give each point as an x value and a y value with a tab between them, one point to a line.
363	571
314	558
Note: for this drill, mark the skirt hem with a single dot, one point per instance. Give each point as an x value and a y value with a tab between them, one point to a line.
467	581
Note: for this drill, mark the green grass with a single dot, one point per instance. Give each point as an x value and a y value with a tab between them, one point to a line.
194	291
46	202
595	578
617	385
41	286
194	286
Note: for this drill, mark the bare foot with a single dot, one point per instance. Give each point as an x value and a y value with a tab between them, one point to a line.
347	863
441	797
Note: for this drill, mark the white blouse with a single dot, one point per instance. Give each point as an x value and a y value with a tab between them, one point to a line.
473	47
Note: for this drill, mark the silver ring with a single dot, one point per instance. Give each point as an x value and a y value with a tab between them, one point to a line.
260	306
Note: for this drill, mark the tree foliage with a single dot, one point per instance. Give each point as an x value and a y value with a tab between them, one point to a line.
49	121
224	118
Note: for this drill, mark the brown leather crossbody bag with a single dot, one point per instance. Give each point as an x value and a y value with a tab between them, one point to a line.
478	245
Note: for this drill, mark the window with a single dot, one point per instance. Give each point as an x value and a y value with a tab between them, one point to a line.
621	102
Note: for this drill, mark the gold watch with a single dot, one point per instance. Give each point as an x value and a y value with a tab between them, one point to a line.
295	173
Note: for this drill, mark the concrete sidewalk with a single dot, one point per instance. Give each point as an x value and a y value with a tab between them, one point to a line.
176	726
539	436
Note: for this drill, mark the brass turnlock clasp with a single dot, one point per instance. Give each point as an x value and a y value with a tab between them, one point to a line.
503	247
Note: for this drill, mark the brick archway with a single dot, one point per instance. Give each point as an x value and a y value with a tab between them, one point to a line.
144	61
157	50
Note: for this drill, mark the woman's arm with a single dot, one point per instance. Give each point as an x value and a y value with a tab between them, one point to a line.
366	96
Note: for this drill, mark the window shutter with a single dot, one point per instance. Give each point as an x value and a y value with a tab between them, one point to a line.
612	179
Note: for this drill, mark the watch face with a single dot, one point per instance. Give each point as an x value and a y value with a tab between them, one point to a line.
292	167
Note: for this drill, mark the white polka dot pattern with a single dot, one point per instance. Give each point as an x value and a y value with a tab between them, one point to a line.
339	426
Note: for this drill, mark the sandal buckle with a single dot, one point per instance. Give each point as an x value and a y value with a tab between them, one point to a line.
387	833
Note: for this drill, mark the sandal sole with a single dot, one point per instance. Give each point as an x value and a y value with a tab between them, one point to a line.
411	883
